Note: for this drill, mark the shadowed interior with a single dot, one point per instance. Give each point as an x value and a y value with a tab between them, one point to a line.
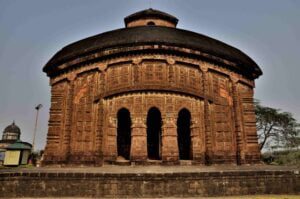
124	133
184	134
154	134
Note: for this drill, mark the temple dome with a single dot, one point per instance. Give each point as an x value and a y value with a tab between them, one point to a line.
11	132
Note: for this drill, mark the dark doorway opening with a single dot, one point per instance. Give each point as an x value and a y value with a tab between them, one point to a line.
124	133
184	134
154	134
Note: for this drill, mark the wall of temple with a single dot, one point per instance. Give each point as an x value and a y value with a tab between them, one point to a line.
85	101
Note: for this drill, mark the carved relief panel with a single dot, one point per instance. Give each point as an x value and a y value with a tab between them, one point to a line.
222	113
118	76
153	72
153	75
84	112
187	78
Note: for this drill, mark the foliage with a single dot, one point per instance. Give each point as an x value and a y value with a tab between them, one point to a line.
282	157
275	128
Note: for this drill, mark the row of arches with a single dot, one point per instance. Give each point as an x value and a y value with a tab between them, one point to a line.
154	133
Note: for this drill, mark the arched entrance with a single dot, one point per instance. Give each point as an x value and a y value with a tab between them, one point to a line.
154	134
184	134
124	133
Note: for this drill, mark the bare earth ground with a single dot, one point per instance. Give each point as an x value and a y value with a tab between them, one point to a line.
228	197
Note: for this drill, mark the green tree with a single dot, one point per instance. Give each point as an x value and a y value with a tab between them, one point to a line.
276	128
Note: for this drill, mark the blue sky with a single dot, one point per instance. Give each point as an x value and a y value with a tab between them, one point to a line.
32	31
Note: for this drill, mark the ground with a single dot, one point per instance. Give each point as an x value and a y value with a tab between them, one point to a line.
230	197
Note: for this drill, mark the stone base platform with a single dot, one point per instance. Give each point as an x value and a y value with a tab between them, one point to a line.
113	181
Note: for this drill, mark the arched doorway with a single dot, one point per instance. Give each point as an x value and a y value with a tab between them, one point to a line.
184	134
124	133
154	134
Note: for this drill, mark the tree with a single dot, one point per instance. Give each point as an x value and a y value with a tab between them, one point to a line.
276	128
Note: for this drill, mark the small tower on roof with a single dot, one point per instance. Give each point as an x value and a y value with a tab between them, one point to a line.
150	17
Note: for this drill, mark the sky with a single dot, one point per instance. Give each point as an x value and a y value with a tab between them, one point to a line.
32	31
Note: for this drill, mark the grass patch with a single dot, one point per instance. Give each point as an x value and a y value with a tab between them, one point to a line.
290	158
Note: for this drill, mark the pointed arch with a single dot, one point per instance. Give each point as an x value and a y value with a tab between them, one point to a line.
124	133
154	123
184	134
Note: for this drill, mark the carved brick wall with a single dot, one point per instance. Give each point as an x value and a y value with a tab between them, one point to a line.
85	103
222	114
251	148
59	132
153	75
84	117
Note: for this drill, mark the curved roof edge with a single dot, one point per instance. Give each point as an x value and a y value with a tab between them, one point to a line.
19	145
152	35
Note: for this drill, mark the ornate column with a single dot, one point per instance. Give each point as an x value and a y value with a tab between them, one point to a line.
238	126
138	149
69	121
100	115
135	71
198	150
99	133
110	149
207	122
170	154
71	118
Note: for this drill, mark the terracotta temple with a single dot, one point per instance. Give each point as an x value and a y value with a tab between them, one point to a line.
151	93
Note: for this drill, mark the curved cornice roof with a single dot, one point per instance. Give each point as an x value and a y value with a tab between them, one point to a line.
154	35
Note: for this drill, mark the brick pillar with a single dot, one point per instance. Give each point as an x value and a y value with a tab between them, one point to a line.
198	150
240	154
101	117
138	149
207	121
170	154
110	151
99	134
69	121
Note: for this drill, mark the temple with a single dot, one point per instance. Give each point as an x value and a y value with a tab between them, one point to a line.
151	93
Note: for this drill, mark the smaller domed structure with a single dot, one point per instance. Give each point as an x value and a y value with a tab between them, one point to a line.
13	151
11	132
